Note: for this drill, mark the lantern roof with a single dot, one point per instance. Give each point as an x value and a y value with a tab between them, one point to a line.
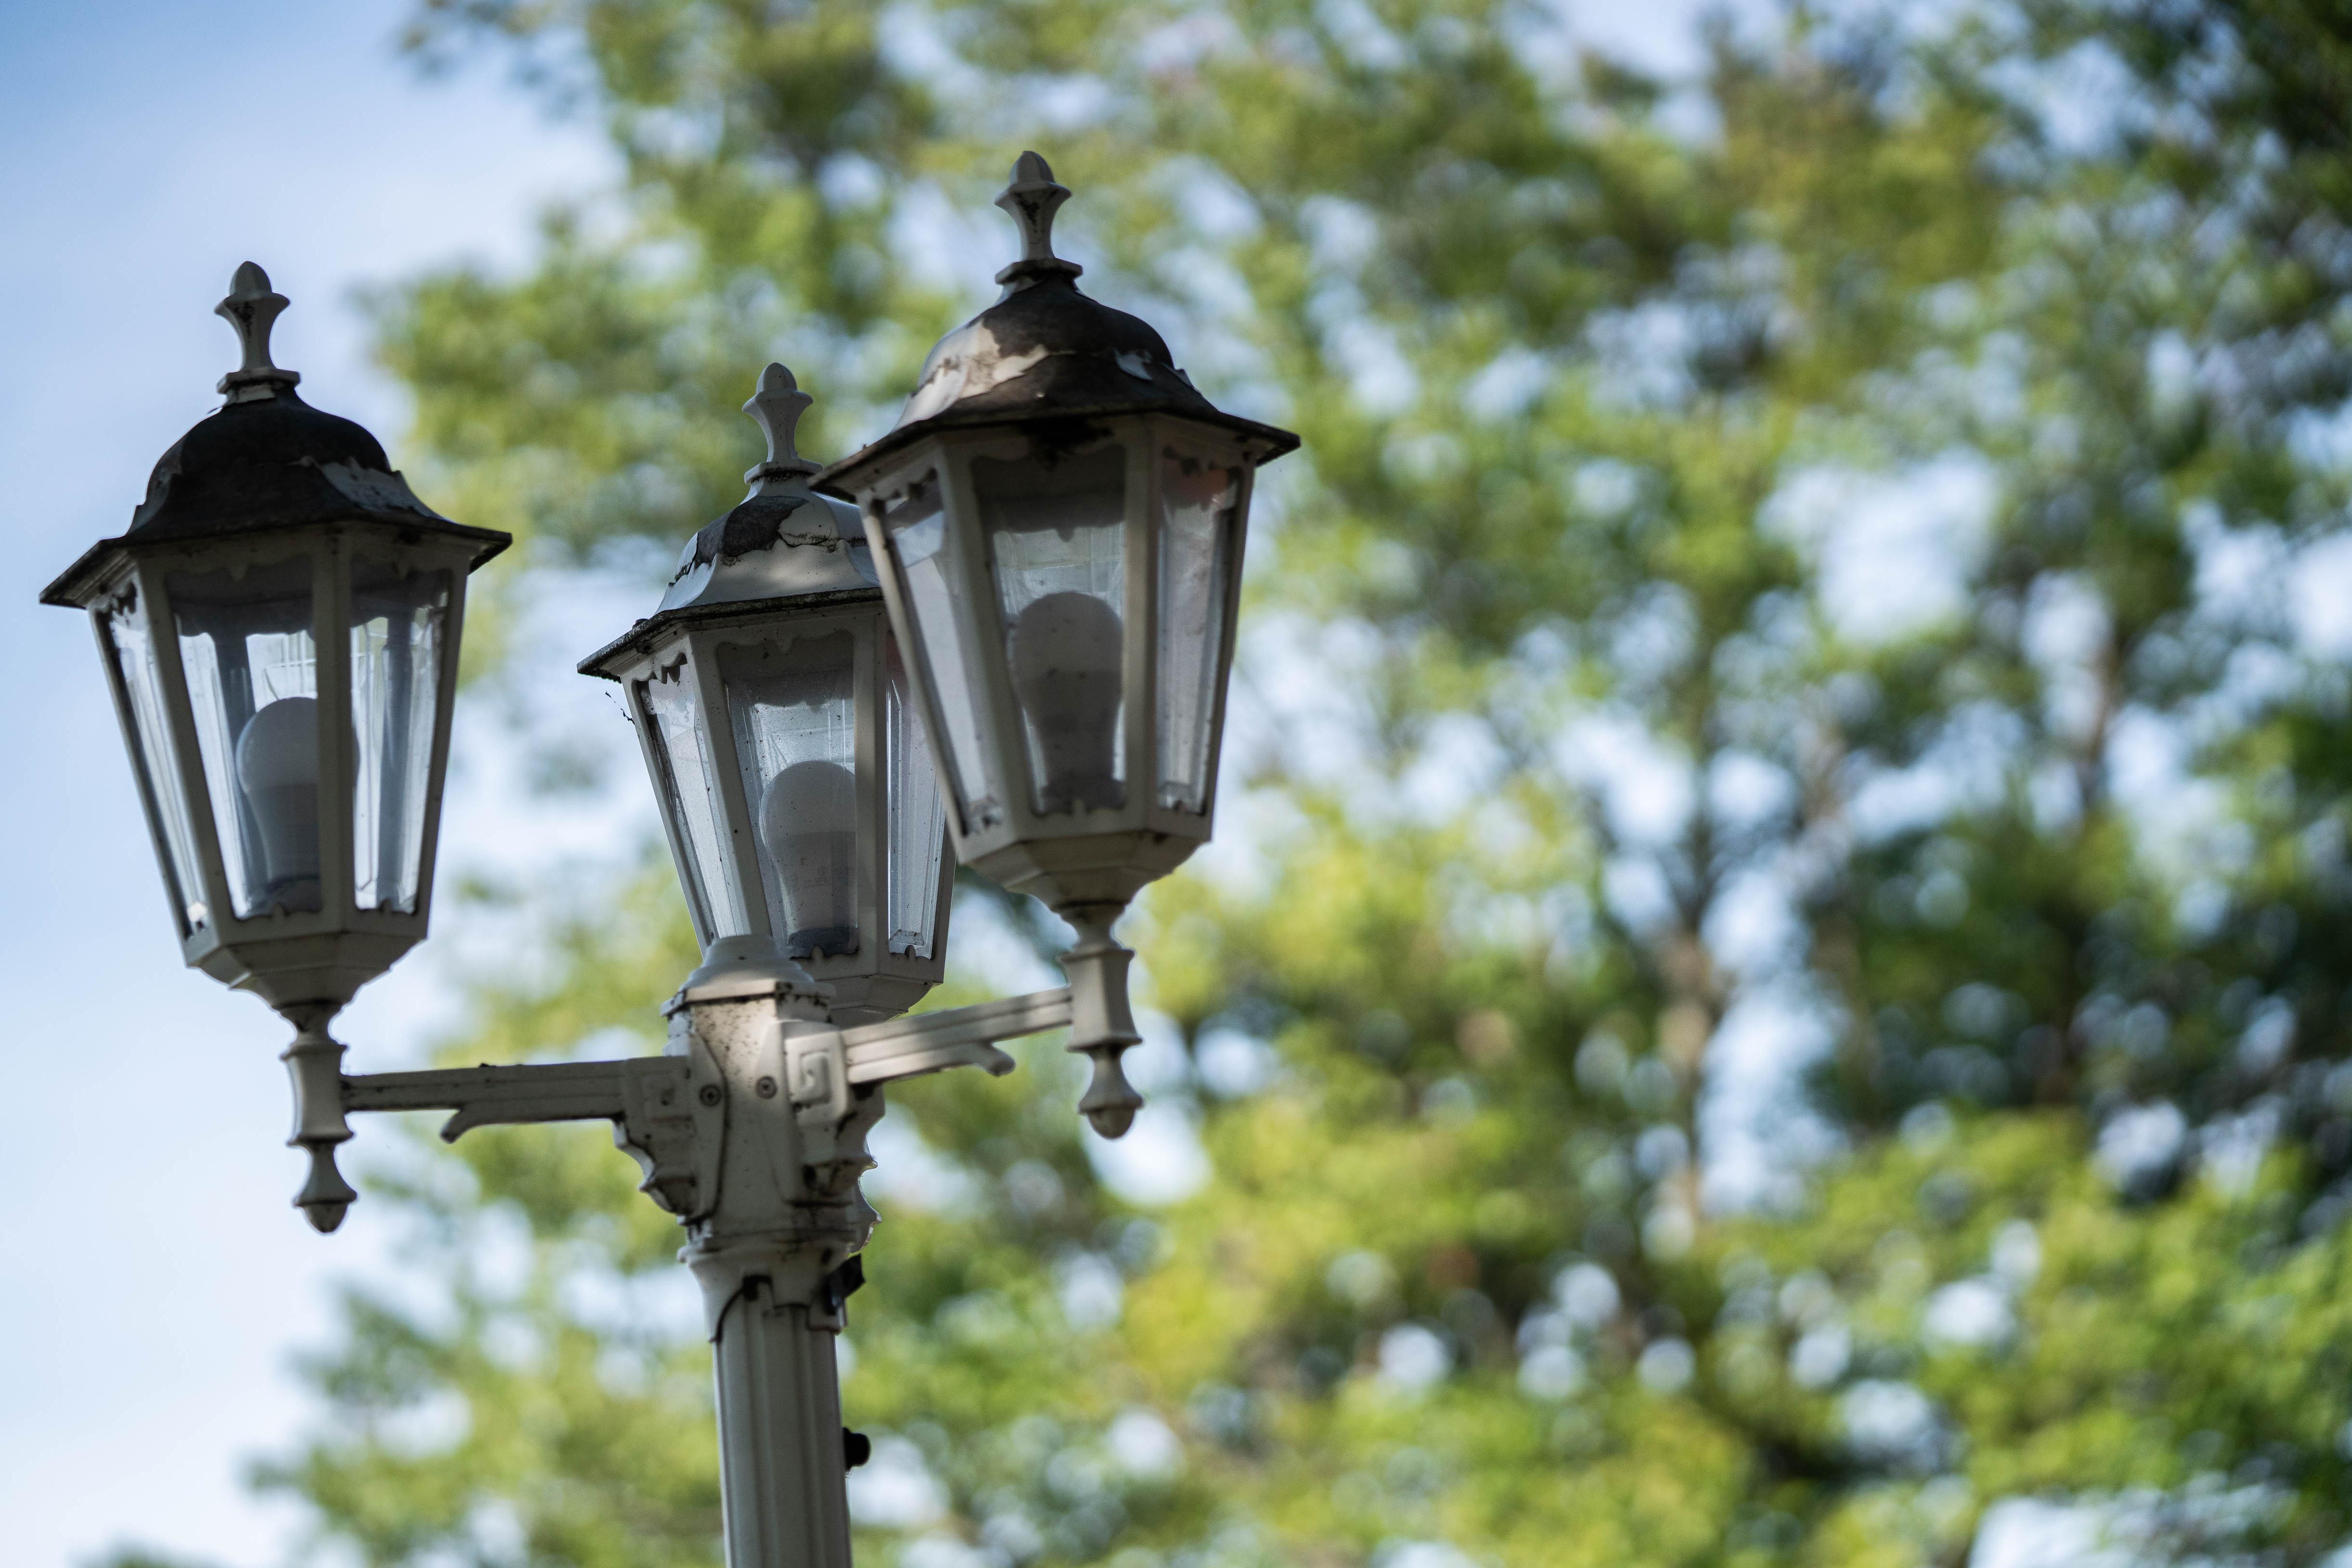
784	540
1045	351
264	460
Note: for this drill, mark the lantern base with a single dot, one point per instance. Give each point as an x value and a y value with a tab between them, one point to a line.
300	971
871	999
748	966
1096	869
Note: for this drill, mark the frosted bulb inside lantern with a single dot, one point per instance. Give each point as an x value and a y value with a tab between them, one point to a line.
277	769
1066	651
808	825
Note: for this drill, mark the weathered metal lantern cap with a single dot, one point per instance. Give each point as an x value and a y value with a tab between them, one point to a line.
796	783
279	626
1058	522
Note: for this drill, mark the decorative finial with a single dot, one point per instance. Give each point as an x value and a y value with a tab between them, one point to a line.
1101	1023
252	308
1033	198
776	408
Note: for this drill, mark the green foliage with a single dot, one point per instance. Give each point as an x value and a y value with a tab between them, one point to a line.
1619	755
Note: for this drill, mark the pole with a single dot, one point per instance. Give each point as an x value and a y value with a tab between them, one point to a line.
776	1255
782	1460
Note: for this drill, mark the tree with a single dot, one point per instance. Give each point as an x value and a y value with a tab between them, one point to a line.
1781	994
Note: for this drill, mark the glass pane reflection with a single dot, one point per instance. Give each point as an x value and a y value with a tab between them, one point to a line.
918	531
246	648
133	646
918	817
1199	502
1058	534
794	710
689	787
398	625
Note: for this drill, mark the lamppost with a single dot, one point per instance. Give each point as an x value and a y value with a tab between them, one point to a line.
1016	642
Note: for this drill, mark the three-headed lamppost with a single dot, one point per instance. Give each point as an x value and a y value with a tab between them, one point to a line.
1011	650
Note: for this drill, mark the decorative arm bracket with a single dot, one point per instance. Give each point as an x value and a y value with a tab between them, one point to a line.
828	1064
661	1115
651	1102
667	1111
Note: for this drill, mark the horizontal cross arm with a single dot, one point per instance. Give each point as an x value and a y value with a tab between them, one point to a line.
486	1096
931	1042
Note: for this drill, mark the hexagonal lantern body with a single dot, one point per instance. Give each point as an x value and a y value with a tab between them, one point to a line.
279	628
1059	519
794	775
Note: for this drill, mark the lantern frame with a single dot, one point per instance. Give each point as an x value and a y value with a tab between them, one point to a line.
265	481
787	565
1044	373
1082	855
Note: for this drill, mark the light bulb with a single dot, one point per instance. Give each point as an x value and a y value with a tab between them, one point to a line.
1066	650
277	769
808	825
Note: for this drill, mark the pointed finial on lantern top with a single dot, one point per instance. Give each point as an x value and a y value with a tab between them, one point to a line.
776	408
1033	198
252	308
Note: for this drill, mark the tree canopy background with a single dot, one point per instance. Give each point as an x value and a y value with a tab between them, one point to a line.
1772	988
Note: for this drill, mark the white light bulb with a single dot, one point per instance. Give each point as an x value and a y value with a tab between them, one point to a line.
808	826
277	769
1067	651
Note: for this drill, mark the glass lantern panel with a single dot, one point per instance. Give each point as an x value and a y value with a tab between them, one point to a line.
688	790
1058	536
252	669
1199	521
918	531
793	706
399	624
133	646
918	818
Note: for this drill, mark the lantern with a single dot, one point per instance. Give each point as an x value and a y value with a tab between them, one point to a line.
279	628
794	778
1059	517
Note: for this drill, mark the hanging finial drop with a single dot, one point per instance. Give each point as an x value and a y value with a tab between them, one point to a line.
252	308
776	408
1033	198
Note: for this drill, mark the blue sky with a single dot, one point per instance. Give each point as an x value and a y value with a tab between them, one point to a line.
155	1281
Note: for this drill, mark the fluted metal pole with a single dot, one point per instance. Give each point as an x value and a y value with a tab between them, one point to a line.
781	1465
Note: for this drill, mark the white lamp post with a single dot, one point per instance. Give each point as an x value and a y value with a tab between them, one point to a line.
1055	527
